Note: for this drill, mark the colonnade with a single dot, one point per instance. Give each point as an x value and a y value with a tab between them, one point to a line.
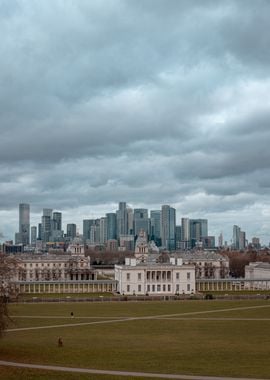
98	286
159	275
231	285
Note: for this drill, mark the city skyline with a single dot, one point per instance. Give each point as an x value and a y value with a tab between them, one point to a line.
107	105
159	222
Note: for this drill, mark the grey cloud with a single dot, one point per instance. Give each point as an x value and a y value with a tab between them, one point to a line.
146	101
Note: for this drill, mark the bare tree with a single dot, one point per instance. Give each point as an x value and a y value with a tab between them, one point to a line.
8	266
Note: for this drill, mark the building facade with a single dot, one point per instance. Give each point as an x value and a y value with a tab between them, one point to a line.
208	265
154	278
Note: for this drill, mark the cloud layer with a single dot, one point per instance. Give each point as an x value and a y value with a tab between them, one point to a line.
148	101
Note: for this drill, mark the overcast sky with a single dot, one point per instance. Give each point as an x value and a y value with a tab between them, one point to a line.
145	101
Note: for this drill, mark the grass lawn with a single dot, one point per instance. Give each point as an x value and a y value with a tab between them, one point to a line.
208	345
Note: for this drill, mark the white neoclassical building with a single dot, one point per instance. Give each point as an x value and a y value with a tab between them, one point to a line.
153	278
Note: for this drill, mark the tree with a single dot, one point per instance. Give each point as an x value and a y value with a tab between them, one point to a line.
8	267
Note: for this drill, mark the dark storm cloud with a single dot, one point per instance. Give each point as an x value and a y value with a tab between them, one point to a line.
145	101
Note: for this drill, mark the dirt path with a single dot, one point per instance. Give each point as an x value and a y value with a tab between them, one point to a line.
116	373
126	319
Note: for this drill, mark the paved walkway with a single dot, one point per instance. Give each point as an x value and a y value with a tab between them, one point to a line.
116	373
149	317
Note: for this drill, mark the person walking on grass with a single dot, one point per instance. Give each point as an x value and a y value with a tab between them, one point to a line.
60	342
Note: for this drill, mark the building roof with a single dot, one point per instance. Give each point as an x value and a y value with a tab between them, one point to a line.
201	256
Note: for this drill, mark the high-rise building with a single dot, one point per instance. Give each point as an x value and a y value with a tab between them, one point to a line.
33	235
111	225
46	224
168	222
198	230
57	221
39	236
185	233
103	230
236	237
155	220
130	221
71	230
140	221
220	240
24	224
95	232
255	241
46	228
178	237
121	217
242	240
87	224
47	212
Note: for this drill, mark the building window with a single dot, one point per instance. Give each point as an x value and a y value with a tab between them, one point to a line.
148	288
128	288
128	276
139	288
153	288
164	288
139	276
177	275
188	275
177	288
188	287
169	288
158	288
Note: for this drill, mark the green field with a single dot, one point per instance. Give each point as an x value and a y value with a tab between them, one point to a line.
178	337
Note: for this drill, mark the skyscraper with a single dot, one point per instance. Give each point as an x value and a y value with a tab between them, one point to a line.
46	224
178	237
57	221
47	212
87	223
168	222
46	228
122	222
242	240
111	225
24	223
71	230
141	221
130	221
185	233
236	237
33	235
198	230
155	218
103	230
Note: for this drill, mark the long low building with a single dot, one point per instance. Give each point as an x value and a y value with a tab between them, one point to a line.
259	273
155	278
